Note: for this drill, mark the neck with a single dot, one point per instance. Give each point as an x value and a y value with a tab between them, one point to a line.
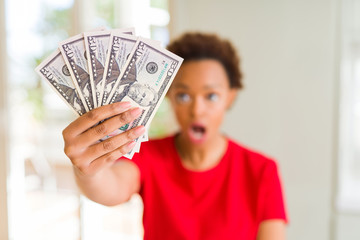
201	157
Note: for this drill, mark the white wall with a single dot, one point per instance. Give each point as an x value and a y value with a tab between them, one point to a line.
288	108
3	129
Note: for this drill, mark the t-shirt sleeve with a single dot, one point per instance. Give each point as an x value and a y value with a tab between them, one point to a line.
271	195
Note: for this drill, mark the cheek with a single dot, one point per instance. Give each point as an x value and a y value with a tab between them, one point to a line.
218	106
218	116
217	113
180	113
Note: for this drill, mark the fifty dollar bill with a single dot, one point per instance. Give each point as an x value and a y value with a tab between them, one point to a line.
120	46
73	51
96	46
145	79
54	70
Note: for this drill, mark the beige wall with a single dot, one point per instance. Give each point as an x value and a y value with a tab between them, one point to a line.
289	106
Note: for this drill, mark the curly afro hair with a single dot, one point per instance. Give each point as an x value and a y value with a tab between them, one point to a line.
198	46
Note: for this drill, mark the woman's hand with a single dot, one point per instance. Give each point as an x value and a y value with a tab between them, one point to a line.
88	155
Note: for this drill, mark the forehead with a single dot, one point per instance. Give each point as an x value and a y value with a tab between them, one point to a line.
202	73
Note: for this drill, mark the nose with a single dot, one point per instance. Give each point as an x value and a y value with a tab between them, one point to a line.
197	107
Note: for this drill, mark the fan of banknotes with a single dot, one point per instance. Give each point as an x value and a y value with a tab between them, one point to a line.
100	67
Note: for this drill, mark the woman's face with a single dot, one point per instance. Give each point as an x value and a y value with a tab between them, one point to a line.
200	96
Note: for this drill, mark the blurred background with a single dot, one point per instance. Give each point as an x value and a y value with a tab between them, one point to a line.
300	105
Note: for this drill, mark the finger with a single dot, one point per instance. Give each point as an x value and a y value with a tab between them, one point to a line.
93	117
102	148
103	129
107	159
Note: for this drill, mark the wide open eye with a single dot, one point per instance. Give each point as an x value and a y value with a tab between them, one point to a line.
182	98
213	97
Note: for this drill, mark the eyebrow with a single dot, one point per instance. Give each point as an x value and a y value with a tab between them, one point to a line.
180	85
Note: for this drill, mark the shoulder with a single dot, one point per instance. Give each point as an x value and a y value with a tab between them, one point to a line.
156	149
252	160
158	145
161	141
153	155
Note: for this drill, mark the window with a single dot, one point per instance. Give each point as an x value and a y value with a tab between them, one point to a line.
348	198
43	199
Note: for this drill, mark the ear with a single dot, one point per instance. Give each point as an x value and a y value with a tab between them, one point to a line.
231	97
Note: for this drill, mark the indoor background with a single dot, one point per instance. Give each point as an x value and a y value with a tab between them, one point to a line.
300	105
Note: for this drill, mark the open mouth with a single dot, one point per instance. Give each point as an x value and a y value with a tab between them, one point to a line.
197	132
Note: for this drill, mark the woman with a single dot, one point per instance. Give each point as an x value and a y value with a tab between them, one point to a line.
197	184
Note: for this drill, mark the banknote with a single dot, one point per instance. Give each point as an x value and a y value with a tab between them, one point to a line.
106	66
120	46
96	47
73	51
54	71
145	79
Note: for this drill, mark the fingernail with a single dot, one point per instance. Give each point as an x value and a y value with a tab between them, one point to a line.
135	112
123	105
139	130
131	144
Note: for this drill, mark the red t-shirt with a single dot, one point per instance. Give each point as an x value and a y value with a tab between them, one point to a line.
226	202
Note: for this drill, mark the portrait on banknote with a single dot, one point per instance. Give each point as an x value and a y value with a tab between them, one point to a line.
142	94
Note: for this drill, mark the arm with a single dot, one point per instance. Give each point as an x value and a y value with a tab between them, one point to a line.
274	217
271	230
97	175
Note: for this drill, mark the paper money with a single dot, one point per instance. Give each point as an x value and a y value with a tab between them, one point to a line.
145	79
128	31
101	67
73	51
54	71
96	46
120	46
